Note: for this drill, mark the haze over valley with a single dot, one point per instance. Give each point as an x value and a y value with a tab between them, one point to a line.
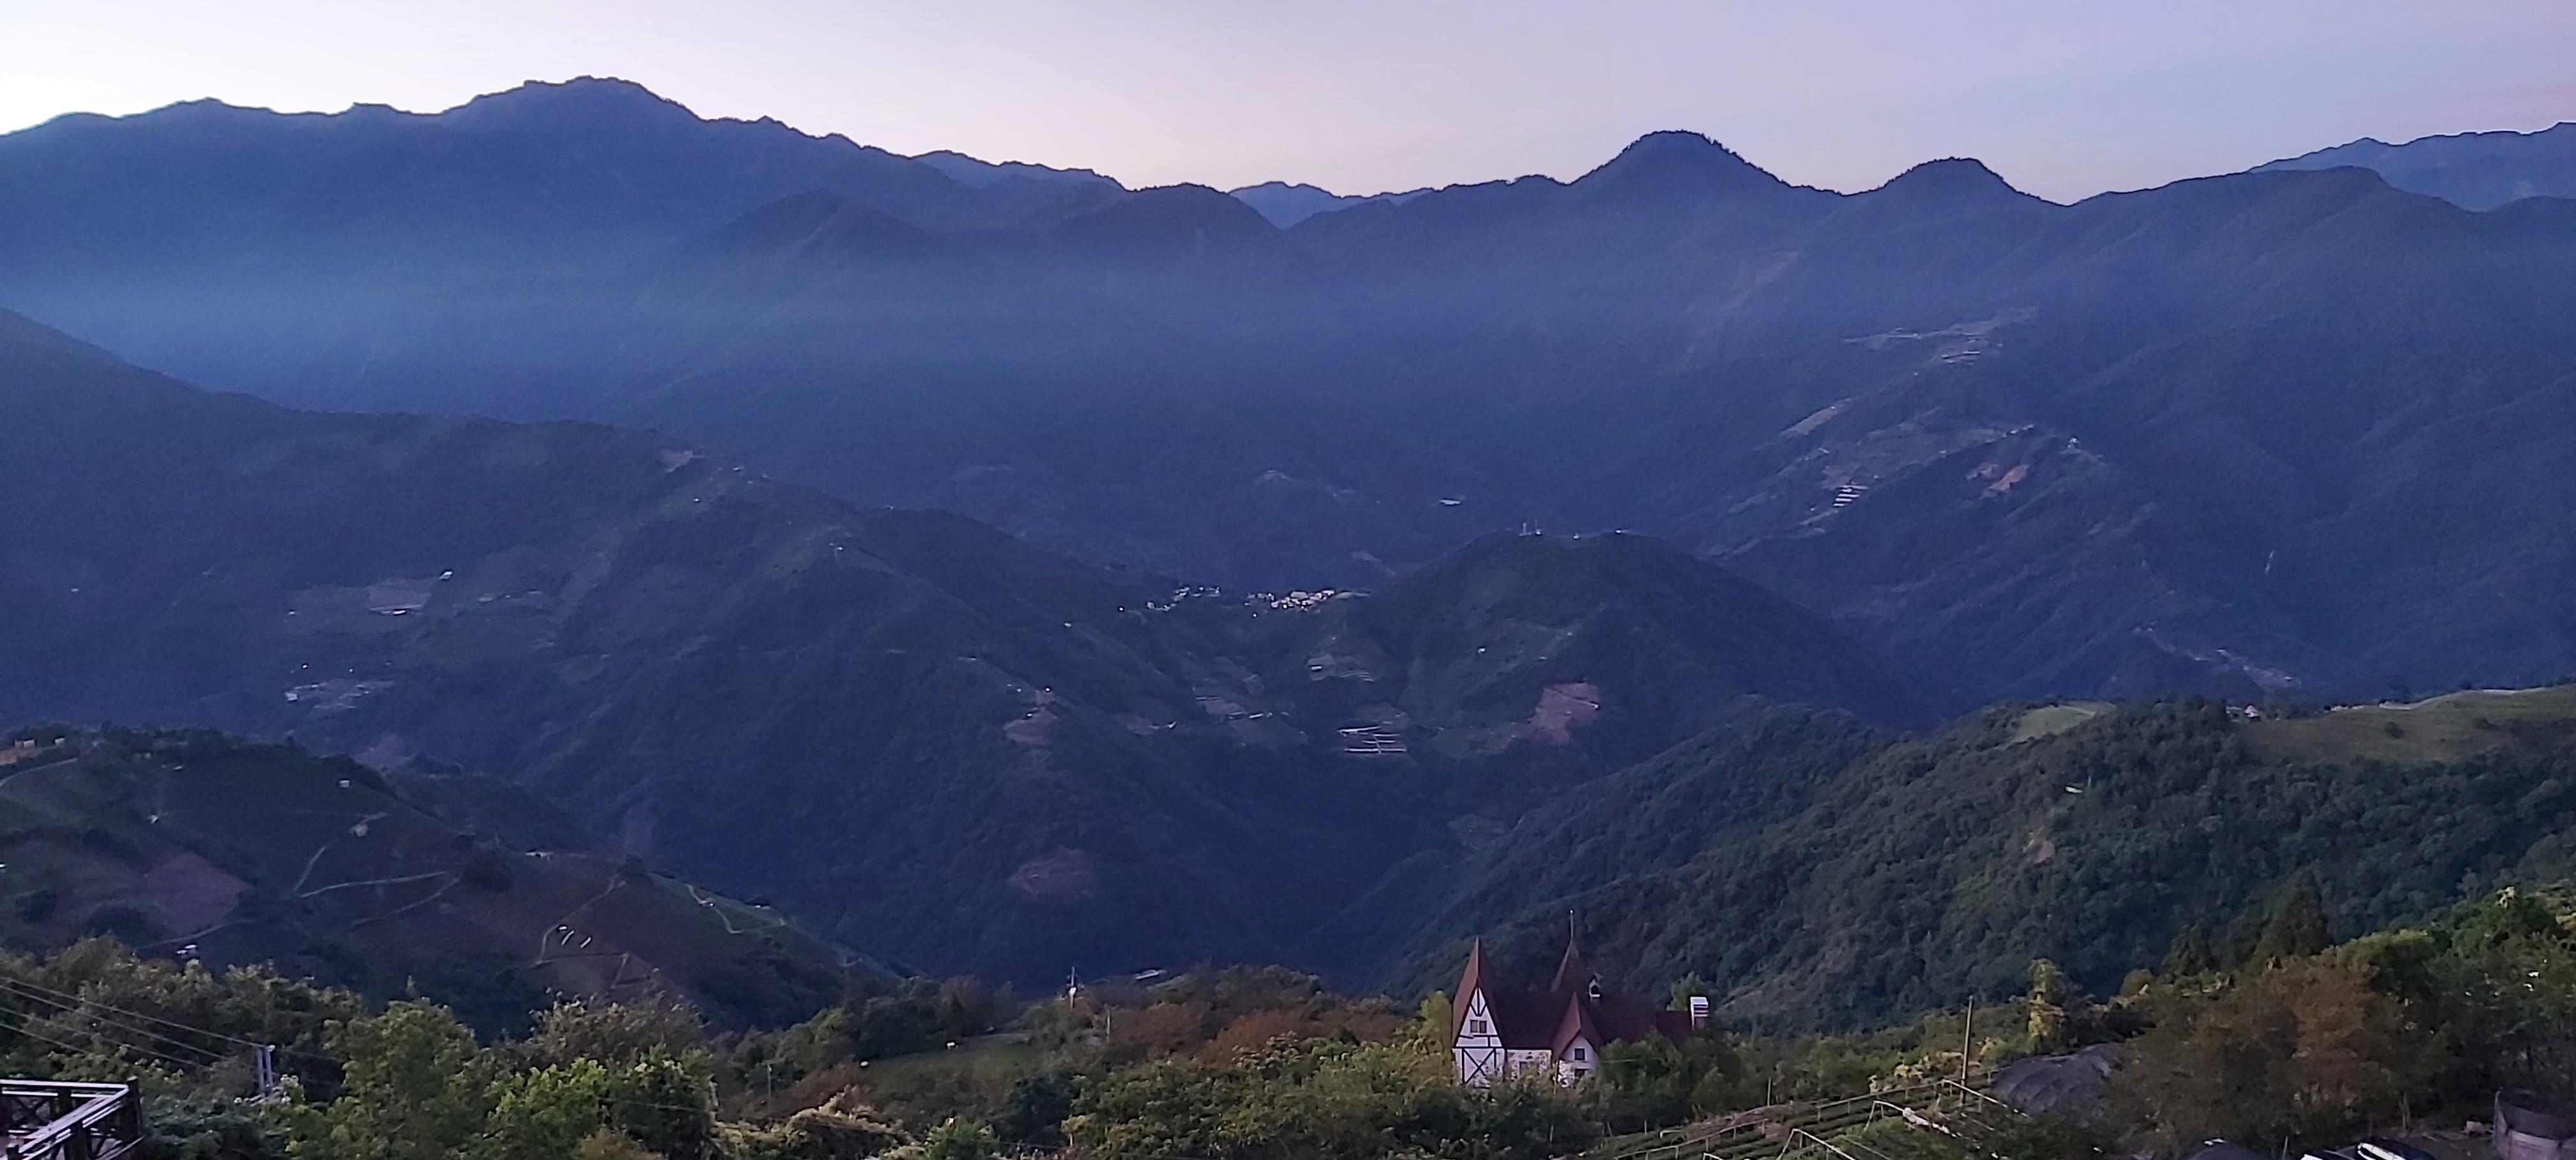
727	579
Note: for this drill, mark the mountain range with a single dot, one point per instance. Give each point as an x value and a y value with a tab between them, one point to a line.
2276	430
2472	170
1004	571
914	733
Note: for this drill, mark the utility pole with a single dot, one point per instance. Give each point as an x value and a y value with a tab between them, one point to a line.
1968	1041
267	1072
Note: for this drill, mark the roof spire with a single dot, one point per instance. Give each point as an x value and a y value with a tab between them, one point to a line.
1469	983
1571	974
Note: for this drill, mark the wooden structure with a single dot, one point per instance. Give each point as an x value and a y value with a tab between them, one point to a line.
43	1120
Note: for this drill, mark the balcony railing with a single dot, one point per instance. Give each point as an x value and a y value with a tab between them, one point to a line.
68	1121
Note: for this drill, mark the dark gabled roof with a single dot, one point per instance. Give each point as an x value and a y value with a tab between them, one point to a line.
1526	1019
1575	1023
1624	1019
1571	974
1549	1020
1467	984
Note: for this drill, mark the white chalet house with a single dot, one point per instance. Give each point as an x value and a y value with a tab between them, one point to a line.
1504	1031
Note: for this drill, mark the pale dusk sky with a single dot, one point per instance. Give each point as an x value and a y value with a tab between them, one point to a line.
2064	98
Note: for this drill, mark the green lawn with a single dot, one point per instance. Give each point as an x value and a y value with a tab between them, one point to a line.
2050	720
2445	728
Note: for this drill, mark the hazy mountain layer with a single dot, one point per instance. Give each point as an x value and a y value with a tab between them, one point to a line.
2474	170
912	732
2272	430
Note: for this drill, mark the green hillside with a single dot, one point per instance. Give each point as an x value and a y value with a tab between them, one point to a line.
916	734
198	846
1822	875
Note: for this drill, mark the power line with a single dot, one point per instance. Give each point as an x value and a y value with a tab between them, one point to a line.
212	1055
73	1009
85	1001
61	998
178	1026
92	1049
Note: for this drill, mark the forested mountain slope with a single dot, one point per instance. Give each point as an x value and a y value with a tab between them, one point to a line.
1820	873
916	734
198	846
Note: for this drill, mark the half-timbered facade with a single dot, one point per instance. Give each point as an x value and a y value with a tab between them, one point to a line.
1504	1031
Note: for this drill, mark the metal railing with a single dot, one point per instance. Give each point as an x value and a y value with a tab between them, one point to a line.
1708	1140
41	1120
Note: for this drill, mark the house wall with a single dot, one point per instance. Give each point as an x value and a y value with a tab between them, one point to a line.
1578	1061
1480	1057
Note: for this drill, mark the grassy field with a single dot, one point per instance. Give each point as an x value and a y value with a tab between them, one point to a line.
2445	728
985	1056
2050	720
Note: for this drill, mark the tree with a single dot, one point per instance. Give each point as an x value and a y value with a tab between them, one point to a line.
663	1104
615	1033
2050	993
546	1113
1438	1021
667	1104
2302	1051
415	1087
2190	954
953	1140
608	1144
842	1129
208	1129
2297	927
1033	1112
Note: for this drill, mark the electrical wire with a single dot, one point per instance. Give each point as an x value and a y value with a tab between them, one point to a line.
93	1049
81	1009
38	987
13	984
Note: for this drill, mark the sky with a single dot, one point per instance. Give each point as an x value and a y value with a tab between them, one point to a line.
2064	98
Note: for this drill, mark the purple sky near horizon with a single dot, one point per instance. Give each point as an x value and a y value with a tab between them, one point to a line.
2064	99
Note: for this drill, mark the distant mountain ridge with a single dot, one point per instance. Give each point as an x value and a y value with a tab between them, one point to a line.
2473	170
2149	441
980	173
1286	204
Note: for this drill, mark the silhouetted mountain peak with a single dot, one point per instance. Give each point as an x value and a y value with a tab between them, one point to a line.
586	101
1674	161
1952	181
1195	213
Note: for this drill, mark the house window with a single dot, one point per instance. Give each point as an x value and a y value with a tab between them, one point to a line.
1476	1027
1578	1053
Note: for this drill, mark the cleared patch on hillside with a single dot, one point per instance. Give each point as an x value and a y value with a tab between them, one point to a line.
2445	728
2051	720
